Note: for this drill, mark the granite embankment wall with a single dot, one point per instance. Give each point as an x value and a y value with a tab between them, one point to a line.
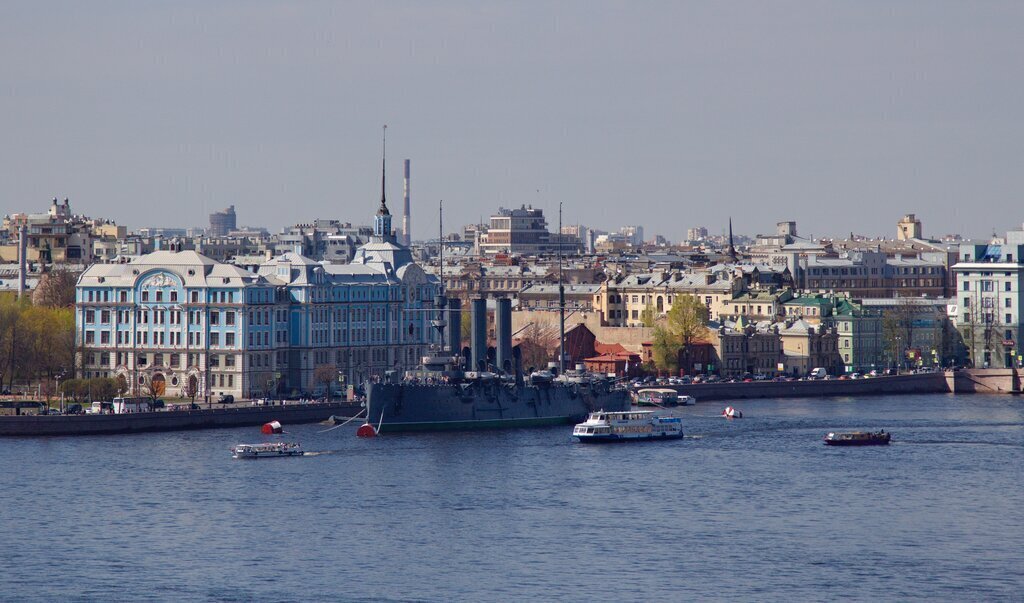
986	381
925	383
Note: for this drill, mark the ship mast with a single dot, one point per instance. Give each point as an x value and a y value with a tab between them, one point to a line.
561	299
440	302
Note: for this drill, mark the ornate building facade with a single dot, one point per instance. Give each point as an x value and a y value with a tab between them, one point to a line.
177	323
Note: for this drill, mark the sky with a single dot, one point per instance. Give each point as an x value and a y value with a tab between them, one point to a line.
841	116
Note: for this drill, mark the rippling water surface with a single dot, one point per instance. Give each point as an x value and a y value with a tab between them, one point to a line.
751	509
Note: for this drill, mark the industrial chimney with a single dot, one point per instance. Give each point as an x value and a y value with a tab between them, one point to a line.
478	335
503	330
455	325
22	260
406	235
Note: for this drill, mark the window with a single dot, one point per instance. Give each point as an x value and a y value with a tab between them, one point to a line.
229	360
90	316
967	302
105	317
987	286
229	318
174	360
174	296
967	285
145	296
1009	320
90	337
229	339
214	338
159	296
214	317
1006	286
1008	302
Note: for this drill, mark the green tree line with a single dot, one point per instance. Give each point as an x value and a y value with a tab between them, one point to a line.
37	342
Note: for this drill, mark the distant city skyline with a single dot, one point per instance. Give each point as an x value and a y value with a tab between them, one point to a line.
840	116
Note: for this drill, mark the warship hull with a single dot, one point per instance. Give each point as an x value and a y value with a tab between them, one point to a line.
422	407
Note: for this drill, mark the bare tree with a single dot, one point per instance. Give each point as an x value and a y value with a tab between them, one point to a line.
325	375
538	345
56	289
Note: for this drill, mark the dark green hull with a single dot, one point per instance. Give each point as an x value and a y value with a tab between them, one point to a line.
485	405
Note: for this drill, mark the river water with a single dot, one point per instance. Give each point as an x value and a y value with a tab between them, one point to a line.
753	509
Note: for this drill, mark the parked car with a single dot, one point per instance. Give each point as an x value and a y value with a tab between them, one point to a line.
818	373
225	399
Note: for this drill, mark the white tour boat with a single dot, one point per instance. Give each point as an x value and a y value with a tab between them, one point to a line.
604	426
266	450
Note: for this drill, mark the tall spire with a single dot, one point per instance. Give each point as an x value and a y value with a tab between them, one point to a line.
732	247
382	221
383	167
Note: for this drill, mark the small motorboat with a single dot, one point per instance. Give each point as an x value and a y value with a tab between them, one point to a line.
732	413
687	400
858	438
627	426
267	450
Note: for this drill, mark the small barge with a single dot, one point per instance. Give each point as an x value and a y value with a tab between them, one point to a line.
857	438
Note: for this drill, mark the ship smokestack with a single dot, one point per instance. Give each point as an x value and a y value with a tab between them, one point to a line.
406	218
22	260
503	331
455	325
478	336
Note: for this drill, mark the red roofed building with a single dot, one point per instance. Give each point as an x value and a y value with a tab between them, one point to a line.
623	364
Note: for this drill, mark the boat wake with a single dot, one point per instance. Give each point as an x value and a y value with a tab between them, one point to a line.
966	442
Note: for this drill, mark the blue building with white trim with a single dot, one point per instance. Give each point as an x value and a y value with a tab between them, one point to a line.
180	322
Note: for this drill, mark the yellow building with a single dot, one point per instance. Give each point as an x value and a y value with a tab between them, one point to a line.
623	299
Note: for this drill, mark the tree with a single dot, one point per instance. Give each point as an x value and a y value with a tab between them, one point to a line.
465	328
325	375
261	384
56	289
898	330
685	324
649	316
538	345
191	388
665	350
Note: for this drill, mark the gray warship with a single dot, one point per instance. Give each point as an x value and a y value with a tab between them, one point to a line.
442	394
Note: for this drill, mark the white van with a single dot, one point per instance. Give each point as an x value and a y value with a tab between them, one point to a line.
818	373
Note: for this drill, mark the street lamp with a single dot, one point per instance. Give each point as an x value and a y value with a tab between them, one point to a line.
58	377
899	352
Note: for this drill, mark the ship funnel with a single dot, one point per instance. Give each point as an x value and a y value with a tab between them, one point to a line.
503	331
455	325
478	335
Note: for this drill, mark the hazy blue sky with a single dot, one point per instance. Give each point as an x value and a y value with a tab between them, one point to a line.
840	115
